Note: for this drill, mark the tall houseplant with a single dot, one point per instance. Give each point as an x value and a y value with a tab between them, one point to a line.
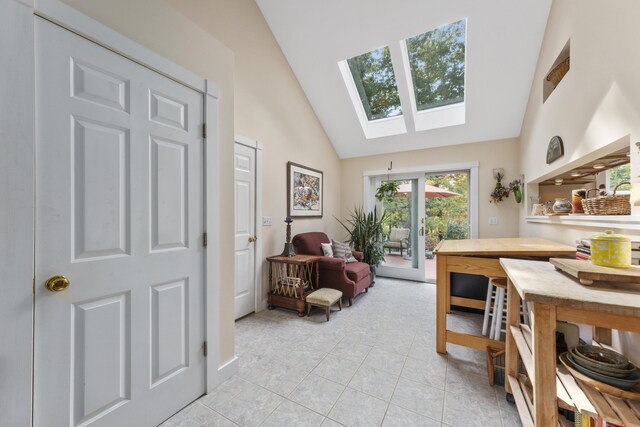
366	235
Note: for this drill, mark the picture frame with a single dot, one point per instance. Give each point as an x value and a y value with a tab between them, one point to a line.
304	191
555	149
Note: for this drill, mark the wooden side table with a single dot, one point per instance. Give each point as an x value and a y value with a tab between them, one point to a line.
290	281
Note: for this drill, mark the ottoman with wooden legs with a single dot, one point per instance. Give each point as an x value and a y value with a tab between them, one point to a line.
324	297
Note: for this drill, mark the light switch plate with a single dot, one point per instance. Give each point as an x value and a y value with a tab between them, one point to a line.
266	221
493	220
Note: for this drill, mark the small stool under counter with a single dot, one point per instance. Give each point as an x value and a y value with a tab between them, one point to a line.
555	296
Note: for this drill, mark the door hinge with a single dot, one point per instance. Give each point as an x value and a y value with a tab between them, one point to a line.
205	350
33	285
204	239
204	130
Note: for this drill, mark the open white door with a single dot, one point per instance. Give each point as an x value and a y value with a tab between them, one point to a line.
119	212
404	228
245	229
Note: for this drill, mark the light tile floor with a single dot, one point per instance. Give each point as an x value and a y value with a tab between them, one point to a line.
372	364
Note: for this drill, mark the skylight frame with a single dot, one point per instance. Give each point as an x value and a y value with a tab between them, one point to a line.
436	117
378	128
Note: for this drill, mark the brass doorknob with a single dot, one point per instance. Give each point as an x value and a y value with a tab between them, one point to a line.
252	239
57	283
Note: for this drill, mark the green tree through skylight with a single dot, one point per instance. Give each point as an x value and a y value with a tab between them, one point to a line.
437	65
376	83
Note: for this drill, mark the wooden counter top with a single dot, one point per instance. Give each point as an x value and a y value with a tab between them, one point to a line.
539	281
525	246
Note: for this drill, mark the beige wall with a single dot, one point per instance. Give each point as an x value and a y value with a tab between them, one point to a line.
596	105
271	107
260	90
490	154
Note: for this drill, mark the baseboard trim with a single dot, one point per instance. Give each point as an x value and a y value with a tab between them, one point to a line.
228	370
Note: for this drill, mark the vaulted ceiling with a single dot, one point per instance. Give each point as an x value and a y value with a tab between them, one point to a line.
503	43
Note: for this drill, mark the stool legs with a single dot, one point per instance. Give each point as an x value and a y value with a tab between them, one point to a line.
487	309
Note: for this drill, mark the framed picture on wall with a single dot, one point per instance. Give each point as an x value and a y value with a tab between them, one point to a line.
304	191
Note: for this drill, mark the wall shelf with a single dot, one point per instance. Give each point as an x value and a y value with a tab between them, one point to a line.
619	222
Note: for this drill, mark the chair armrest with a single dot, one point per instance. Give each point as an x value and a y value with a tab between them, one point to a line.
330	263
358	255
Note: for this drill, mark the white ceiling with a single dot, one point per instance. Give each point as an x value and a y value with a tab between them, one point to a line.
503	43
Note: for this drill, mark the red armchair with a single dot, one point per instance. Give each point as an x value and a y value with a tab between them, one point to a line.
352	278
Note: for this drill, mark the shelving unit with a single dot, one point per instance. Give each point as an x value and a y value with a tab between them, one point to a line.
547	386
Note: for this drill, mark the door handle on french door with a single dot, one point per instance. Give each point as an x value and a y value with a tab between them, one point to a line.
57	283
421	231
252	239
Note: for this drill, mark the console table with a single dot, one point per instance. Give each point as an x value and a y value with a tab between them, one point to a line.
480	256
553	296
290	280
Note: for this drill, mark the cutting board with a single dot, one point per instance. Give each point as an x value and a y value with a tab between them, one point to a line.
588	273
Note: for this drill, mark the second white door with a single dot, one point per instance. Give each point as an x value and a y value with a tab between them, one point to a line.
245	229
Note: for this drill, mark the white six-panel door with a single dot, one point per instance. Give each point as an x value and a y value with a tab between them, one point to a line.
119	212
245	219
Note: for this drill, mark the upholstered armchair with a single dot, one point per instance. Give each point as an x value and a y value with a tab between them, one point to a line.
352	278
398	239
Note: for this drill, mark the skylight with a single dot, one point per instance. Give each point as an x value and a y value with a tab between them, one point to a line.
437	64
375	82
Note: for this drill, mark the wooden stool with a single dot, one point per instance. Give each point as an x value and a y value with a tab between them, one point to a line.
324	297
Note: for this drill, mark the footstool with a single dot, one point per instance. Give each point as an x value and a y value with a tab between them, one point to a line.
324	297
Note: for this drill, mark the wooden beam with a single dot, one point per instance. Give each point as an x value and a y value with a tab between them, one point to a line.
489	267
544	355
598	318
513	320
473	341
468	302
442	279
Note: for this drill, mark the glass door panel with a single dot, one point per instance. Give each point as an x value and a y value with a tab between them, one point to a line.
446	213
403	229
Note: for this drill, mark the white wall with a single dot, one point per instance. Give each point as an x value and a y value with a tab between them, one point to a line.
490	154
595	108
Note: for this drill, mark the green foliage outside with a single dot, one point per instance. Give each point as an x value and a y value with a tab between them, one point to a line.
373	75
437	65
620	174
445	217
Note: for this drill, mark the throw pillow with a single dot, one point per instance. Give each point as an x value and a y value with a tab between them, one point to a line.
343	251
327	249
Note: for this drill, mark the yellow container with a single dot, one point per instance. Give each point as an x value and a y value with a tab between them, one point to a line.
611	250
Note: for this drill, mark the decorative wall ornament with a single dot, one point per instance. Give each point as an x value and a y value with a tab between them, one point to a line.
555	149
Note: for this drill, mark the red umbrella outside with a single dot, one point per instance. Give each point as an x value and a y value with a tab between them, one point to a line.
429	191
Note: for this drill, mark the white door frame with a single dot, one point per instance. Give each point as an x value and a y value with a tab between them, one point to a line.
472	167
260	302
17	125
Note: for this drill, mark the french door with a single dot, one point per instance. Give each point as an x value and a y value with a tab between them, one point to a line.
119	272
403	227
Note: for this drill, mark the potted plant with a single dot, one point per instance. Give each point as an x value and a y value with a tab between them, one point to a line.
387	190
515	187
366	235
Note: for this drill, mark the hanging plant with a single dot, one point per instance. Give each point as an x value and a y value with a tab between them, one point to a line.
387	190
500	192
515	187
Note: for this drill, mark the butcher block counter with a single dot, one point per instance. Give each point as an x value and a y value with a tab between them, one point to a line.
555	296
480	256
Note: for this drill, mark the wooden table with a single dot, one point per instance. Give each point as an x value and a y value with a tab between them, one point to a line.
480	256
291	280
554	296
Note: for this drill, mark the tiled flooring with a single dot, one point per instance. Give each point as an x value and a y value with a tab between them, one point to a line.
373	364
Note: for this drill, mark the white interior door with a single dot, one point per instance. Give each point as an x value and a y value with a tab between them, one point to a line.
404	213
245	224
119	212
